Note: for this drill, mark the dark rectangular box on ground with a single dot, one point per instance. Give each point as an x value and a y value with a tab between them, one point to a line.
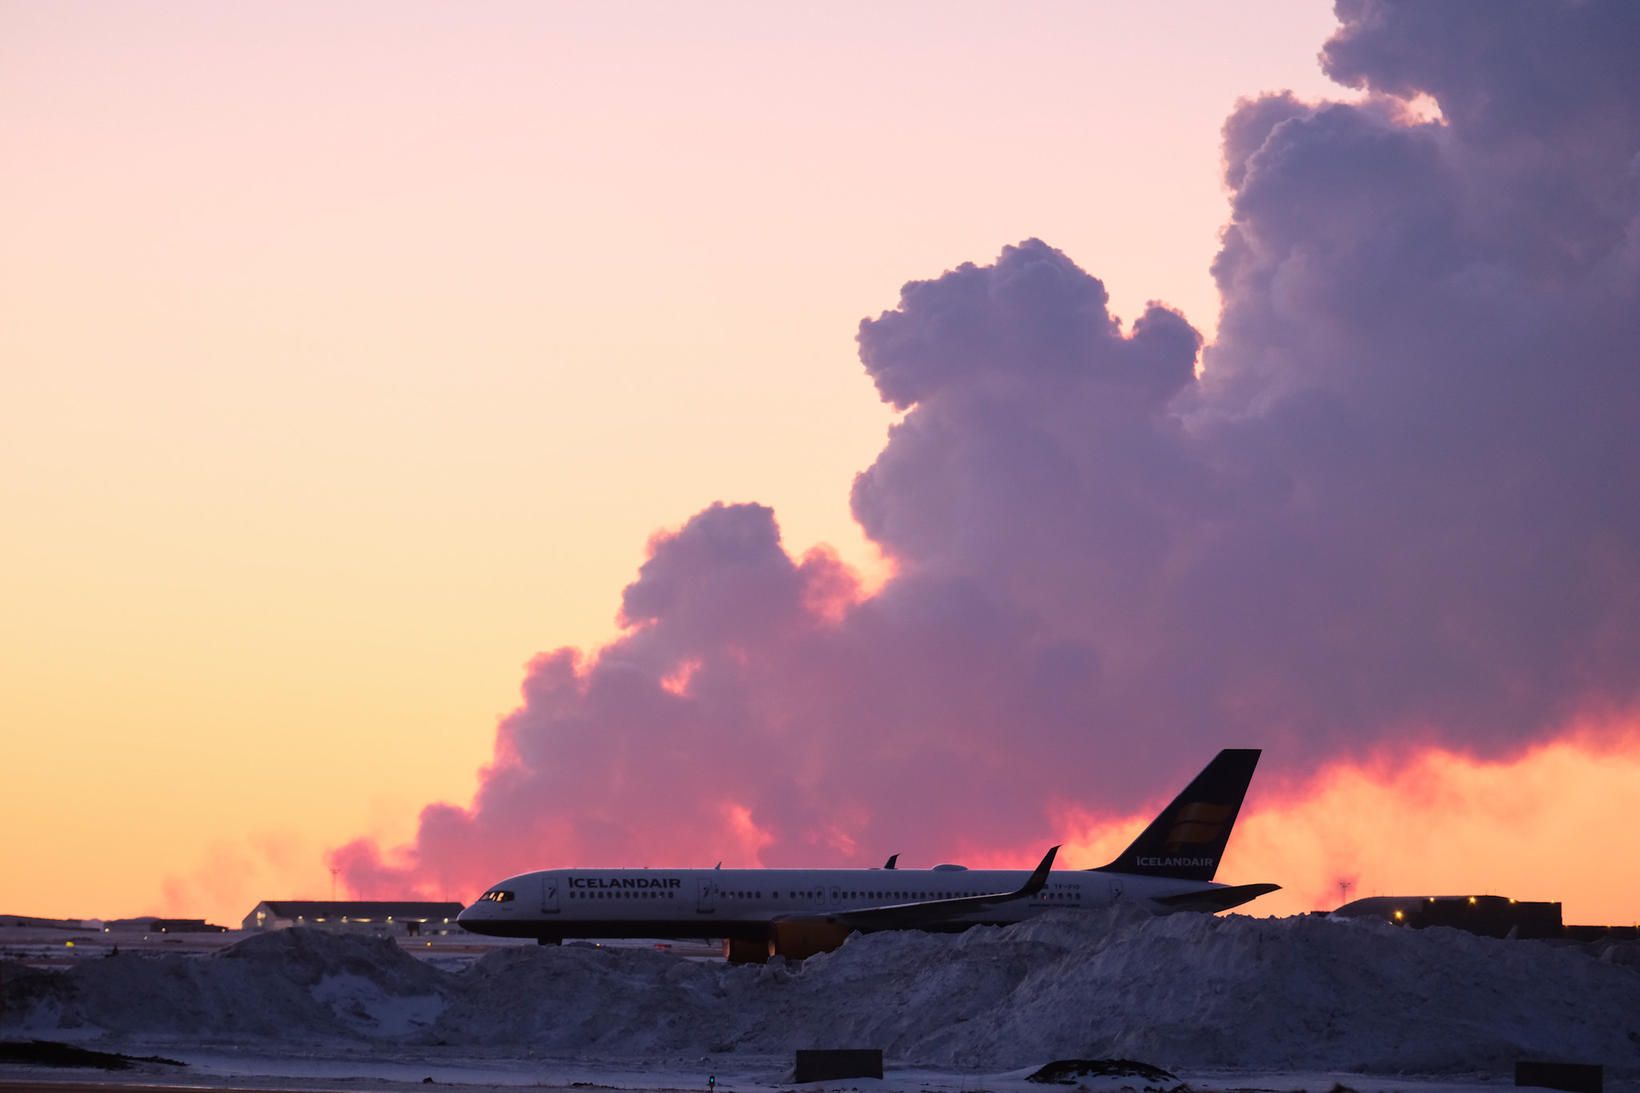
814	1065
1576	1077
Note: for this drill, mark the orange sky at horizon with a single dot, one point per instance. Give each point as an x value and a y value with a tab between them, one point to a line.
1539	826
349	357
1535	827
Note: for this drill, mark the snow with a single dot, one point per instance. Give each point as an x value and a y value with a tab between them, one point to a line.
1186	991
366	1007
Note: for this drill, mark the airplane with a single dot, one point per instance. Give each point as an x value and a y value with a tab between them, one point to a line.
797	913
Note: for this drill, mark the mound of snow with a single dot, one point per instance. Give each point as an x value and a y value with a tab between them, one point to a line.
1182	991
1185	990
581	999
1192	990
369	984
299	983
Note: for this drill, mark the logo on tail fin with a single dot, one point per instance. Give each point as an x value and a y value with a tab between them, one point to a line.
1198	825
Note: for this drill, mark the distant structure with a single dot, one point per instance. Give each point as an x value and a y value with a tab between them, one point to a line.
152	924
34	922
1489	916
382	917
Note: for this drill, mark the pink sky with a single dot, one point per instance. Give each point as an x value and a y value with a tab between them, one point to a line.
348	357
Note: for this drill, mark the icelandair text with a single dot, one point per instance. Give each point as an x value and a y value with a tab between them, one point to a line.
1174	863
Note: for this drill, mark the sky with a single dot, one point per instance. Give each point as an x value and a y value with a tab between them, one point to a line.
351	361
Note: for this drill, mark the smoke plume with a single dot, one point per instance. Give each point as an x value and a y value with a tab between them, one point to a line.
1391	507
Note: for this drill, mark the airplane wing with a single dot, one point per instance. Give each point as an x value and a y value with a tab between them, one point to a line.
1216	899
911	916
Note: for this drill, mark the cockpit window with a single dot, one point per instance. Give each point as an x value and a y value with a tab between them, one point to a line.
497	895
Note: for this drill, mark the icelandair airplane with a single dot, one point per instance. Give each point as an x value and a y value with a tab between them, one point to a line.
796	913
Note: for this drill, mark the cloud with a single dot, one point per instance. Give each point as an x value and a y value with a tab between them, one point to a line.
1425	376
1394	511
231	876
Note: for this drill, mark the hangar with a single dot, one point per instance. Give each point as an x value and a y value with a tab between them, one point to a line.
1491	916
383	917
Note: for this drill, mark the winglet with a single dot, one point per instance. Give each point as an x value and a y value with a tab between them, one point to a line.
893	860
1039	875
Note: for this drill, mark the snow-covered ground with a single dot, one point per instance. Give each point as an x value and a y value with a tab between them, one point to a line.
385	1071
1224	1002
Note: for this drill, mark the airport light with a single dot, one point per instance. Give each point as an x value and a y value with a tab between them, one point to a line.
1400	916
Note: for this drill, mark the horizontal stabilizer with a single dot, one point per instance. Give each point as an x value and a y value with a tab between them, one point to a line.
1213	900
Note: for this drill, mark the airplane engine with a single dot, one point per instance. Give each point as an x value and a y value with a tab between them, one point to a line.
799	940
746	950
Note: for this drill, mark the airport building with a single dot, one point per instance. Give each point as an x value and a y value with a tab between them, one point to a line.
1491	916
153	924
383	917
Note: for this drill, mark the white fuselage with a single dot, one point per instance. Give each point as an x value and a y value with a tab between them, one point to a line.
727	903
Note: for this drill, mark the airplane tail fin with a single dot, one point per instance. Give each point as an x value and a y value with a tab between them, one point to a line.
1187	840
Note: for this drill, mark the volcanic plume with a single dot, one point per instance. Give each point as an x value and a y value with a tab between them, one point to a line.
1390	508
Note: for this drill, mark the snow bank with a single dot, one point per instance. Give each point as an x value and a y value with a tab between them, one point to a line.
1186	990
281	985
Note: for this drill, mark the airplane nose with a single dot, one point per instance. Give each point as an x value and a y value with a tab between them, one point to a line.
474	918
